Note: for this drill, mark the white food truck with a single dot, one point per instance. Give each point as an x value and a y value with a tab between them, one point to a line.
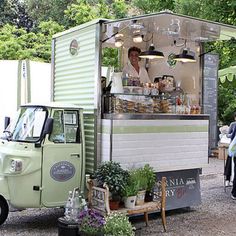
169	123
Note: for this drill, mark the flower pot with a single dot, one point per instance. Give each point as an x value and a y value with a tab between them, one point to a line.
67	228
82	233
140	197
148	196
114	204
130	202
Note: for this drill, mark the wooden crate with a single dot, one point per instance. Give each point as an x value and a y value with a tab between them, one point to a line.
223	152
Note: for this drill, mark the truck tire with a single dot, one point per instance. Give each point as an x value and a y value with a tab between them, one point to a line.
4	210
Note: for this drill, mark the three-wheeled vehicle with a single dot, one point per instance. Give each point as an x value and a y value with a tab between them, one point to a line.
42	157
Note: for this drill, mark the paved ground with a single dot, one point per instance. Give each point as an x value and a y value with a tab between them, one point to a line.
215	216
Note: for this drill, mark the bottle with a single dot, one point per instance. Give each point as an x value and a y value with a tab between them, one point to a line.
75	206
68	206
125	80
84	205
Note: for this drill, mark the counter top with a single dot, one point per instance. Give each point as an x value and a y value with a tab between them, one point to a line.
159	116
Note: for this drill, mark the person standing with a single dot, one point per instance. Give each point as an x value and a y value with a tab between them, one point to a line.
231	134
133	67
228	165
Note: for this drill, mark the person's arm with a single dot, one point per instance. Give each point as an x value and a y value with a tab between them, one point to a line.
231	130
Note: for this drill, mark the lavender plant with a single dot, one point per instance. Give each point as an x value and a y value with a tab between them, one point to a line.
91	222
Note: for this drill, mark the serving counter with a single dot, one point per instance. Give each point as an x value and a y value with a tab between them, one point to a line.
176	146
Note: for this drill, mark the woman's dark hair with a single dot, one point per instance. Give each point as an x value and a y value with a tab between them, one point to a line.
135	49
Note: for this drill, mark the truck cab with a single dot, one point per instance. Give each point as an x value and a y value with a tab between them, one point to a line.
41	157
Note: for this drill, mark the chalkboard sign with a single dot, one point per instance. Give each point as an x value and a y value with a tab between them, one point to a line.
210	87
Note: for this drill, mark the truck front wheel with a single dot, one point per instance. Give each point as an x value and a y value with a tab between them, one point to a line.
4	210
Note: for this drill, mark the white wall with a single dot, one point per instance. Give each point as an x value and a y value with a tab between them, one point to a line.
40	74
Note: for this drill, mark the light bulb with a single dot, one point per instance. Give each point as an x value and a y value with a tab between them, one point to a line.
119	43
137	38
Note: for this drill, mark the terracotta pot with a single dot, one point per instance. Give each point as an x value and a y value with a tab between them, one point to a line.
114	204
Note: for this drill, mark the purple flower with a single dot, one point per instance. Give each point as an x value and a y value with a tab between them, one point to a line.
91	221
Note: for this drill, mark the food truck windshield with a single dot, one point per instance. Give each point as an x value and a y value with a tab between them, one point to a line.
27	125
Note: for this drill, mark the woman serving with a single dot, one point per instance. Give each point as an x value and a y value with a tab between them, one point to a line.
133	68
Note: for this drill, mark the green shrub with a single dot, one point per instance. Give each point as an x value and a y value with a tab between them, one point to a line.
118	224
114	176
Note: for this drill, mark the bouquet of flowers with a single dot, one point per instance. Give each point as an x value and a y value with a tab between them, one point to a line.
91	222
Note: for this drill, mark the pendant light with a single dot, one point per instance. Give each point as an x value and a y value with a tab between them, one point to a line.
185	55
119	40
138	38
151	53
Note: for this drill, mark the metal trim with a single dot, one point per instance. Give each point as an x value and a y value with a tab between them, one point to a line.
146	116
53	46
98	95
19	84
28	80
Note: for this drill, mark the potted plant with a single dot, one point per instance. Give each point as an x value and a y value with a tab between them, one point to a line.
91	223
130	191
148	171
115	177
140	179
118	224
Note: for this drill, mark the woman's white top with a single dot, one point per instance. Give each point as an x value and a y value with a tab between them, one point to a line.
130	70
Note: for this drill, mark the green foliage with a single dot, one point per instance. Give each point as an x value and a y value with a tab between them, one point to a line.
13	12
150	6
131	188
16	44
45	10
110	57
150	175
113	175
118	224
85	11
144	177
226	104
119	9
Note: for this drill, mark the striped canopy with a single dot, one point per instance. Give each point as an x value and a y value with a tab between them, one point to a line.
227	74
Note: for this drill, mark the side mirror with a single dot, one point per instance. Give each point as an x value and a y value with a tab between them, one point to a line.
48	126
6	122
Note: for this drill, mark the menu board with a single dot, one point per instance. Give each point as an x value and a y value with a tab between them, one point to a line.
210	87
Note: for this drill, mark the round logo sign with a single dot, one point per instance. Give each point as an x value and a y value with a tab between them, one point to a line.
171	62
74	47
62	171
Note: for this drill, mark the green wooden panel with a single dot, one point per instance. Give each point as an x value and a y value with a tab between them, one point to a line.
75	76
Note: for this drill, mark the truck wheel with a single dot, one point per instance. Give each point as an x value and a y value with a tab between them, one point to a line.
4	210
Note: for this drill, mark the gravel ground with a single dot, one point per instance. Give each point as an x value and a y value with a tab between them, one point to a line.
215	216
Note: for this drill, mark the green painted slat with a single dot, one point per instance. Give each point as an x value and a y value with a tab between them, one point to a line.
89	129
154	129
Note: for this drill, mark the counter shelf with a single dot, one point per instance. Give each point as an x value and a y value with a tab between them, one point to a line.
140	103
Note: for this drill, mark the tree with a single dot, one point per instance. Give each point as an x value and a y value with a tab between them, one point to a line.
18	44
13	12
45	10
87	10
150	6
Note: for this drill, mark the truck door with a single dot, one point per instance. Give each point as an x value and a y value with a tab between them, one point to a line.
62	155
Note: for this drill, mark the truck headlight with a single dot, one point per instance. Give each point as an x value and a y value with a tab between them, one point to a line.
16	166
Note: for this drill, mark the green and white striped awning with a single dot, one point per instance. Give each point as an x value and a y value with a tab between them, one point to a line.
227	74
